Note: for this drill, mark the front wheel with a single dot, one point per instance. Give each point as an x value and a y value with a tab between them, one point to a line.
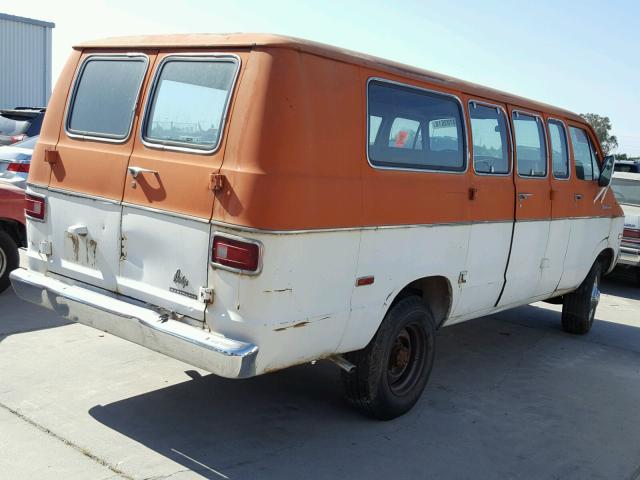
579	309
392	371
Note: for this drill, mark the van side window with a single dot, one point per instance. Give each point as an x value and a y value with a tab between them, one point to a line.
417	129
104	96
530	147
559	151
587	167
189	101
490	141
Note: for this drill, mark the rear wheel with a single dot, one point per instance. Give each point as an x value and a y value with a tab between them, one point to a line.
9	259
392	371
579	309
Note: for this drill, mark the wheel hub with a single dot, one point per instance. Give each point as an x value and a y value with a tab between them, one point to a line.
406	359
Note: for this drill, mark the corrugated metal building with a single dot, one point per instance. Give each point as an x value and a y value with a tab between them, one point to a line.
25	62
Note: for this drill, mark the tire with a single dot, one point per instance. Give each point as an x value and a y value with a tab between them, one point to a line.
9	259
579	308
392	371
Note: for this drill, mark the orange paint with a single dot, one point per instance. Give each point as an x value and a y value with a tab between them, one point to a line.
293	150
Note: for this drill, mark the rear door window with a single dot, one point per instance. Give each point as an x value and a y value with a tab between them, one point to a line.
490	139
189	102
530	145
559	151
586	164
412	128
105	95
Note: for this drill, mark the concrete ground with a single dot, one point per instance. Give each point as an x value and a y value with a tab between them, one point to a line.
511	396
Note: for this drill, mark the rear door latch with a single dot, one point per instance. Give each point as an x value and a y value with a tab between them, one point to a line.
205	295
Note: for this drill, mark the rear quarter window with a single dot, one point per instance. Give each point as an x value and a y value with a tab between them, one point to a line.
412	128
104	96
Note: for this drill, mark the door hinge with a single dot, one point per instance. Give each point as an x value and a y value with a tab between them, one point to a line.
205	294
123	247
51	156
45	248
216	182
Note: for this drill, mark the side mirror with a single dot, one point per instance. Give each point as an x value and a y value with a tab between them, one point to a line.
607	171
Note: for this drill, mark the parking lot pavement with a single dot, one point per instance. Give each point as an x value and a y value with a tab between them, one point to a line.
511	396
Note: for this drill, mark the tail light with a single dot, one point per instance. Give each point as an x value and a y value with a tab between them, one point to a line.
18	167
34	207
236	253
17	138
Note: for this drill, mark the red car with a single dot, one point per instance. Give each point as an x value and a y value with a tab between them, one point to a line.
12	230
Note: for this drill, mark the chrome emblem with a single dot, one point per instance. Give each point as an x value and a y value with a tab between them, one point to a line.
180	279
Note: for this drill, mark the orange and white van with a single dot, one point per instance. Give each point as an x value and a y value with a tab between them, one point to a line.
245	203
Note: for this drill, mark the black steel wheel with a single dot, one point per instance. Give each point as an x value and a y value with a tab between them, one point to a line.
393	370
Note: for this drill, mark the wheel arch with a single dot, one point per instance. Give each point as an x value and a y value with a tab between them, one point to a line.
435	291
607	259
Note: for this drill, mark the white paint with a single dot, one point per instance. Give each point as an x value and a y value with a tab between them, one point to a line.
551	266
91	258
524	273
486	263
157	245
586	234
304	305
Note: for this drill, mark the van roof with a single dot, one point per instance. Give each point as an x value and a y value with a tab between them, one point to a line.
248	40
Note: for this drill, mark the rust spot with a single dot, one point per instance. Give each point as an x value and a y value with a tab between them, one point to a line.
75	245
92	246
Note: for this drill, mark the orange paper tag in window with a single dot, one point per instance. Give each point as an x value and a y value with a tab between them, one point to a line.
401	138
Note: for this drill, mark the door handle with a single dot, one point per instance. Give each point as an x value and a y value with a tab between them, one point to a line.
77	230
135	171
524	196
577	196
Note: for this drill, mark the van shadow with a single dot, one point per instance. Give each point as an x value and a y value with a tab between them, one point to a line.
18	316
501	388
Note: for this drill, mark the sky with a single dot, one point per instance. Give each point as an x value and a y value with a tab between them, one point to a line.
579	55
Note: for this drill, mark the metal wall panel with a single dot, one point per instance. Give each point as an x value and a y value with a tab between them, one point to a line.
25	62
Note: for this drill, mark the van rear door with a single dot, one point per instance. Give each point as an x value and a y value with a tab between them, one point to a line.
168	192
88	174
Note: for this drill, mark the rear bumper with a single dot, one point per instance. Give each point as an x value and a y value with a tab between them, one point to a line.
209	351
629	256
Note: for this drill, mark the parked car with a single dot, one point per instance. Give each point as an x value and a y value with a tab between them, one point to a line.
20	123
12	230
632	166
626	187
15	161
269	201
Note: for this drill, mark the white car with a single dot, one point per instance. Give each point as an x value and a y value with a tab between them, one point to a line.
626	186
15	161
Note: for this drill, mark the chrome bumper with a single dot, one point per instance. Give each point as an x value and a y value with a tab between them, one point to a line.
209	351
629	256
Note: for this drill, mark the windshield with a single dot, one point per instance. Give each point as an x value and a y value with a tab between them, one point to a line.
626	191
9	126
